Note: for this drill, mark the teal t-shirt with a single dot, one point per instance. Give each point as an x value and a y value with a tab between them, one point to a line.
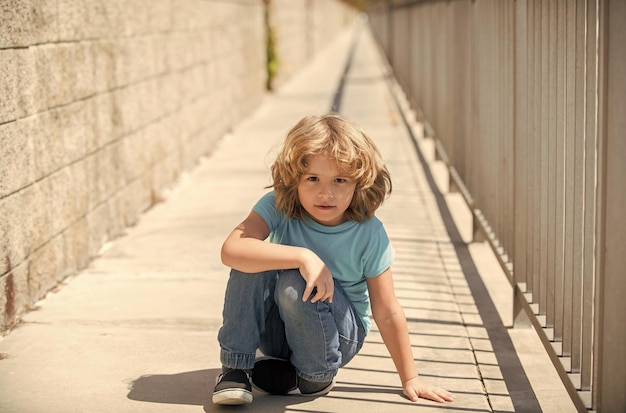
352	251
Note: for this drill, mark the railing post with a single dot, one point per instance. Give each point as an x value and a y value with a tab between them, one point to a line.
610	336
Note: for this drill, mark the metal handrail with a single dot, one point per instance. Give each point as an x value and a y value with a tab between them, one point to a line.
515	94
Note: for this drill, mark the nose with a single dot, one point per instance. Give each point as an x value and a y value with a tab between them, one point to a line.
325	192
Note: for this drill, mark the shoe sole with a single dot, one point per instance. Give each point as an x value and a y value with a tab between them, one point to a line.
274	391
232	397
294	392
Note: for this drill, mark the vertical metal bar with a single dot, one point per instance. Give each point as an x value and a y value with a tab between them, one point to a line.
505	126
489	103
456	55
560	173
521	150
428	66
611	305
494	142
468	34
570	187
536	138
543	156
550	149
534	42
552	143
501	32
489	202
438	74
474	183
485	56
579	158
387	24
416	60
588	281
441	50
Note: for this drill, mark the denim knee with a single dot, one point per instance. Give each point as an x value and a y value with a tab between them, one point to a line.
289	289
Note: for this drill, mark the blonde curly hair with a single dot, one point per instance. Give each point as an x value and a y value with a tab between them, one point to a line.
356	155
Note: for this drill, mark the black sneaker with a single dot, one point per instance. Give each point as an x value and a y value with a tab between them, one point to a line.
278	376
232	388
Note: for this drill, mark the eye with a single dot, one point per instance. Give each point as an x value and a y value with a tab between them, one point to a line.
341	180
312	179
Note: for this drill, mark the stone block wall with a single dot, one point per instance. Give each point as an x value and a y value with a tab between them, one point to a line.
102	105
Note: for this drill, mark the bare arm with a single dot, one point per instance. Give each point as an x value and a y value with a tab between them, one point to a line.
391	321
245	250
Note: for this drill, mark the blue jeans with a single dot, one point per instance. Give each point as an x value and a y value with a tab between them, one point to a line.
265	311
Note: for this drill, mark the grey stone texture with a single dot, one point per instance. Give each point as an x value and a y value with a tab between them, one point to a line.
106	103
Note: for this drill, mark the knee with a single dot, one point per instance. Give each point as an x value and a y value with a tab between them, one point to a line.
289	289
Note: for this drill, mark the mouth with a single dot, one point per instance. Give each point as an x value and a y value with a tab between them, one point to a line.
325	207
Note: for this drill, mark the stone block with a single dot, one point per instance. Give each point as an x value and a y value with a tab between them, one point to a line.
64	135
100	19
20	87
17	168
74	22
115	225
110	169
48	146
164	175
46	268
132	200
104	57
13	231
203	111
132	60
163	137
137	105
107	118
136	155
181	51
76	242
138	15
92	178
9	85
27	22
92	19
70	196
66	72
99	228
38	214
168	94
195	14
14	298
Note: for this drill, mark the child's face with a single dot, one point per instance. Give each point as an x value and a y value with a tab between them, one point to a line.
324	192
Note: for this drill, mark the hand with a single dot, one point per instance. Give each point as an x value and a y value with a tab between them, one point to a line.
416	387
318	278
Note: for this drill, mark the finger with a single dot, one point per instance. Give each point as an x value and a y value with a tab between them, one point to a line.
447	396
411	394
330	291
307	292
327	297
319	294
433	395
443	395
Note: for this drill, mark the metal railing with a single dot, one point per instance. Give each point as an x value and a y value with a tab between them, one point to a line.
524	100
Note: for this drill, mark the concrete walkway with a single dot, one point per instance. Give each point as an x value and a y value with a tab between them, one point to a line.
136	331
